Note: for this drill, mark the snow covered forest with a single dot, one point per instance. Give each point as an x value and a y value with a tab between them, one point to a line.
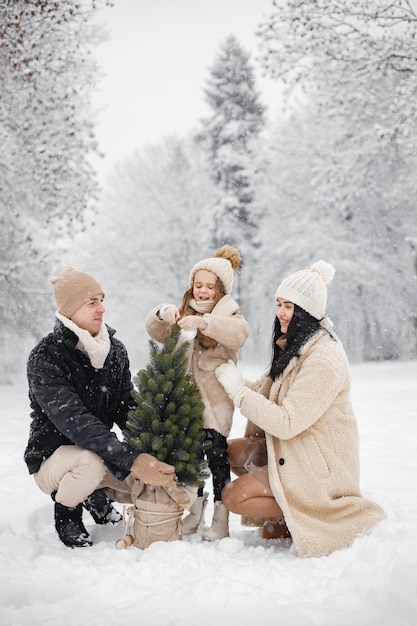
328	173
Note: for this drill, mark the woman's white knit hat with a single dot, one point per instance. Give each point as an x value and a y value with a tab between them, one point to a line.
224	263
307	288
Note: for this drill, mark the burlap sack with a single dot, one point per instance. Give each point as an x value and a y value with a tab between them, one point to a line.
156	521
156	514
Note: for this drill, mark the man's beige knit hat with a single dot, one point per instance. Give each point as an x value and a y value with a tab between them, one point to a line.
72	289
224	263
307	288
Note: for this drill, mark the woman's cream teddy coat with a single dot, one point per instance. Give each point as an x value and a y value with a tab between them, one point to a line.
312	444
228	327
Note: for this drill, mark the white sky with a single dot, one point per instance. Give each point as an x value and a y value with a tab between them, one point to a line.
157	63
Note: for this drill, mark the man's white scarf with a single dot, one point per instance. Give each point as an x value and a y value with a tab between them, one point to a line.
96	348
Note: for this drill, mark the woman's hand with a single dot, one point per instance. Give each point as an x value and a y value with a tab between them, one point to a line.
232	380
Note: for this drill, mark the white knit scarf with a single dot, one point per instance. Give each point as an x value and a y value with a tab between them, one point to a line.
96	348
202	306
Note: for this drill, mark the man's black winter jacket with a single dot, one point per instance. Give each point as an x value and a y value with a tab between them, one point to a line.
74	403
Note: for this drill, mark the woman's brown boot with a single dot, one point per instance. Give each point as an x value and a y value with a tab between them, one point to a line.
275	529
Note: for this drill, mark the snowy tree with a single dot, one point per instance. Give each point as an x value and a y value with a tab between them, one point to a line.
373	297
351	71
230	136
47	75
150	229
328	187
355	63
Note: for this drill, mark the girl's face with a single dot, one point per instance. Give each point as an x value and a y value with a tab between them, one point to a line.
285	311
204	285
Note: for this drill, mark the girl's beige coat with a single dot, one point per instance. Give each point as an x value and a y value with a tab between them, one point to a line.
228	327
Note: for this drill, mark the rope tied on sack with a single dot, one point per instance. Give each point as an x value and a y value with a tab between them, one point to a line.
169	516
131	516
127	539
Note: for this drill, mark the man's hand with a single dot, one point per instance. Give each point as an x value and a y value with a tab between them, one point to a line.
151	471
232	380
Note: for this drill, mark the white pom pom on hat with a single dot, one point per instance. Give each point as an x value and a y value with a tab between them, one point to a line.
224	263
308	288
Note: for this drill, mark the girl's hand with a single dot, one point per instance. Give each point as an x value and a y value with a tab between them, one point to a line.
169	314
192	322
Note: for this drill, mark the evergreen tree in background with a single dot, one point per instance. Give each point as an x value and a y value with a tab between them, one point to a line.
167	421
230	135
236	120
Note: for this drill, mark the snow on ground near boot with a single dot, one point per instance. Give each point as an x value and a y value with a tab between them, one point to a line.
244	579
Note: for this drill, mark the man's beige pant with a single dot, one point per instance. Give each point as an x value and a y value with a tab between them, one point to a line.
74	473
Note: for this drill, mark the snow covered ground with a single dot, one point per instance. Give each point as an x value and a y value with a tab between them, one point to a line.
242	580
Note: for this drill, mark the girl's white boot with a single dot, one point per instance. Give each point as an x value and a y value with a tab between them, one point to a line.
220	525
192	522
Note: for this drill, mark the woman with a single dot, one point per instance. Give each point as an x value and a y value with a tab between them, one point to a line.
307	483
211	320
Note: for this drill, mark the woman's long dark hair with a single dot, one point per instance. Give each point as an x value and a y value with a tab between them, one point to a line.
300	329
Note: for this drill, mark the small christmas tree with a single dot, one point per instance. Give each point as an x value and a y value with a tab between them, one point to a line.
167	422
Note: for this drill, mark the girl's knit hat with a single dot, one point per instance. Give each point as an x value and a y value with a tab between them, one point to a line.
307	288
72	289
225	261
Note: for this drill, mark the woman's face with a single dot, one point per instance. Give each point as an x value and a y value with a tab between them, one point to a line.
285	311
204	285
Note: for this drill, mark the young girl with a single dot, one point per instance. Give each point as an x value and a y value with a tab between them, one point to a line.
211	320
306	483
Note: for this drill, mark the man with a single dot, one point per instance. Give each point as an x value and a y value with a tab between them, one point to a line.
79	387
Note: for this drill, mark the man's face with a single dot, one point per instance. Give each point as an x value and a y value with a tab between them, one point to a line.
90	315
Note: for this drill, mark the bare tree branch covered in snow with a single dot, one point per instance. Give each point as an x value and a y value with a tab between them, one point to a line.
354	65
47	74
350	72
151	228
